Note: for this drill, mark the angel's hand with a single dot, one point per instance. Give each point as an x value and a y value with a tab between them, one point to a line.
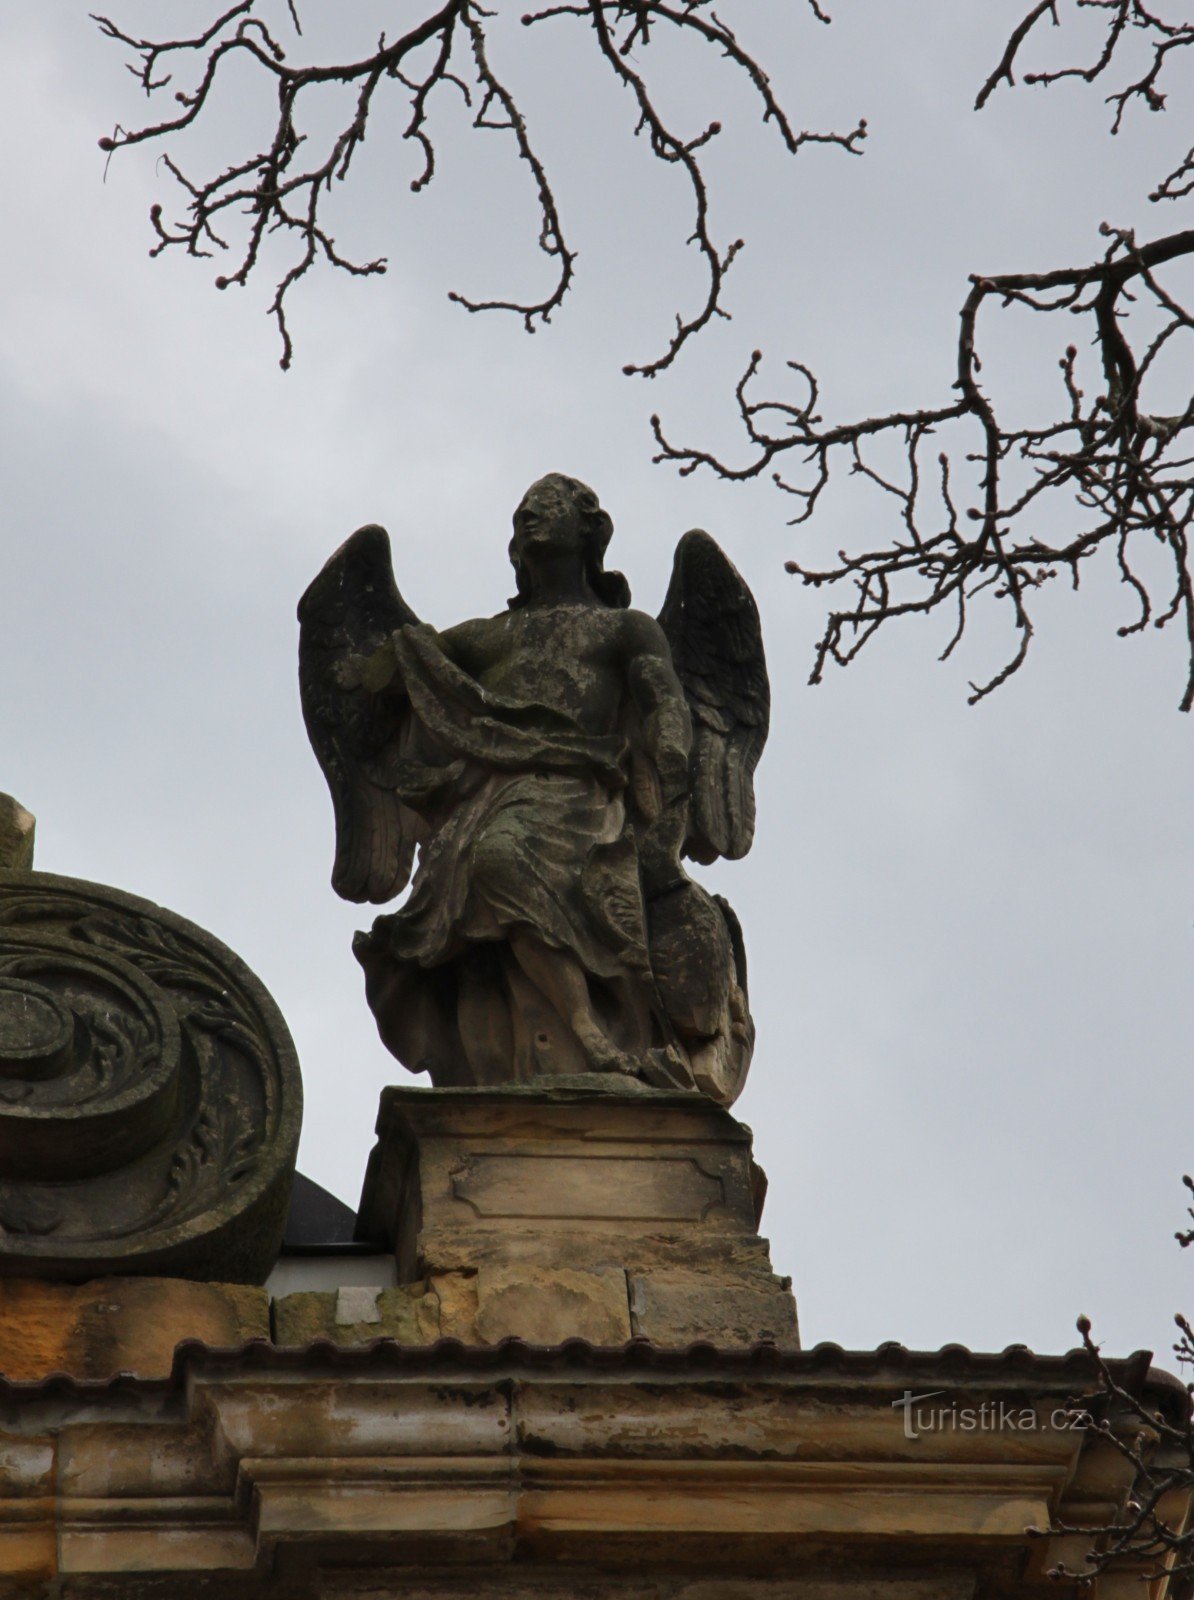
659	849
644	786
372	671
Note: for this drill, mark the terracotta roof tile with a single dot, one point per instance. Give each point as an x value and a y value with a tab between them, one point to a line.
827	1364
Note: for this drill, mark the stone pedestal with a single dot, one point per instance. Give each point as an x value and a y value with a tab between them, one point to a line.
576	1213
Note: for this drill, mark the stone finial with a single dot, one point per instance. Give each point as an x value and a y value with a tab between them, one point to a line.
16	835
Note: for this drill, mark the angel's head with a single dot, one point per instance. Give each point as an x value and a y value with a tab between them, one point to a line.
560	519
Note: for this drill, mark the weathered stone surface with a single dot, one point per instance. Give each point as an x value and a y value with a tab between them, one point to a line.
28	1502
456	1294
439	1307
542	1584
675	1308
533	1584
301	1318
593	1188
92	1330
532	1167
456	1250
557	764
17	828
552	1305
549	1199
410	1314
150	1097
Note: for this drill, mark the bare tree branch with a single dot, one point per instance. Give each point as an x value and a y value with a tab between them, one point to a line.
1003	72
1129	473
283	189
1149	1538
1111	465
1119	465
669	147
1124	22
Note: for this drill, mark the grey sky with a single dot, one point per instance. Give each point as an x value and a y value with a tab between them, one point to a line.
970	931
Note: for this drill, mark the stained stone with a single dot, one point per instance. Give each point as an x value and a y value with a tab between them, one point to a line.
92	1330
35	1030
551	1305
16	835
415	1313
357	1304
679	1308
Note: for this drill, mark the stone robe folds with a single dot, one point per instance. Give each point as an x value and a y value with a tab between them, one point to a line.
524	827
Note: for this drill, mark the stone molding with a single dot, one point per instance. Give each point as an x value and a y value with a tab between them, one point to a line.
294	1473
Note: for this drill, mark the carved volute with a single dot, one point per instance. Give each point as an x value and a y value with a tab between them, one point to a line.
150	1097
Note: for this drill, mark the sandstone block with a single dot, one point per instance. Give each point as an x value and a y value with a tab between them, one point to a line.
92	1330
410	1314
549	1306
681	1308
456	1298
466	1250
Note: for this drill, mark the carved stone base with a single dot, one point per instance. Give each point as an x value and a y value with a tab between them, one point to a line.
576	1212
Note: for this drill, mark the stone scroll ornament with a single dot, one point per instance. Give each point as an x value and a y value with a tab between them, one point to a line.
150	1098
551	765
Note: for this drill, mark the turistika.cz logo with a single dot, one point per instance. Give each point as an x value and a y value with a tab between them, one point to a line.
991	1416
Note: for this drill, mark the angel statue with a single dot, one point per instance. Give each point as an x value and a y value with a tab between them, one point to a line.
552	765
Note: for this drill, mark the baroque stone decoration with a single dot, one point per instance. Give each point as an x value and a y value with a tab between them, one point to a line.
552	764
150	1097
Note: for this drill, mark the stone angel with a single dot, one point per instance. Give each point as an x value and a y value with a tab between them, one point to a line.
551	766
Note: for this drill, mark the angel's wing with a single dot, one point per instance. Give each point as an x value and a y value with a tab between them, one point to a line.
352	608
712	626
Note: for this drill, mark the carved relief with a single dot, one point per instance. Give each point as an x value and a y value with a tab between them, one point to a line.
149	1093
600	1188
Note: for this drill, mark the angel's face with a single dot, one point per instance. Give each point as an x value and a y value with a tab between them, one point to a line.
547	523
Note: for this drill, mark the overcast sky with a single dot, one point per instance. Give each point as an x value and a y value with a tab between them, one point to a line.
970	930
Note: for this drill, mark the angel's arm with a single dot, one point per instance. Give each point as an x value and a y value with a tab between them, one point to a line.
377	670
473	645
661	777
667	726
